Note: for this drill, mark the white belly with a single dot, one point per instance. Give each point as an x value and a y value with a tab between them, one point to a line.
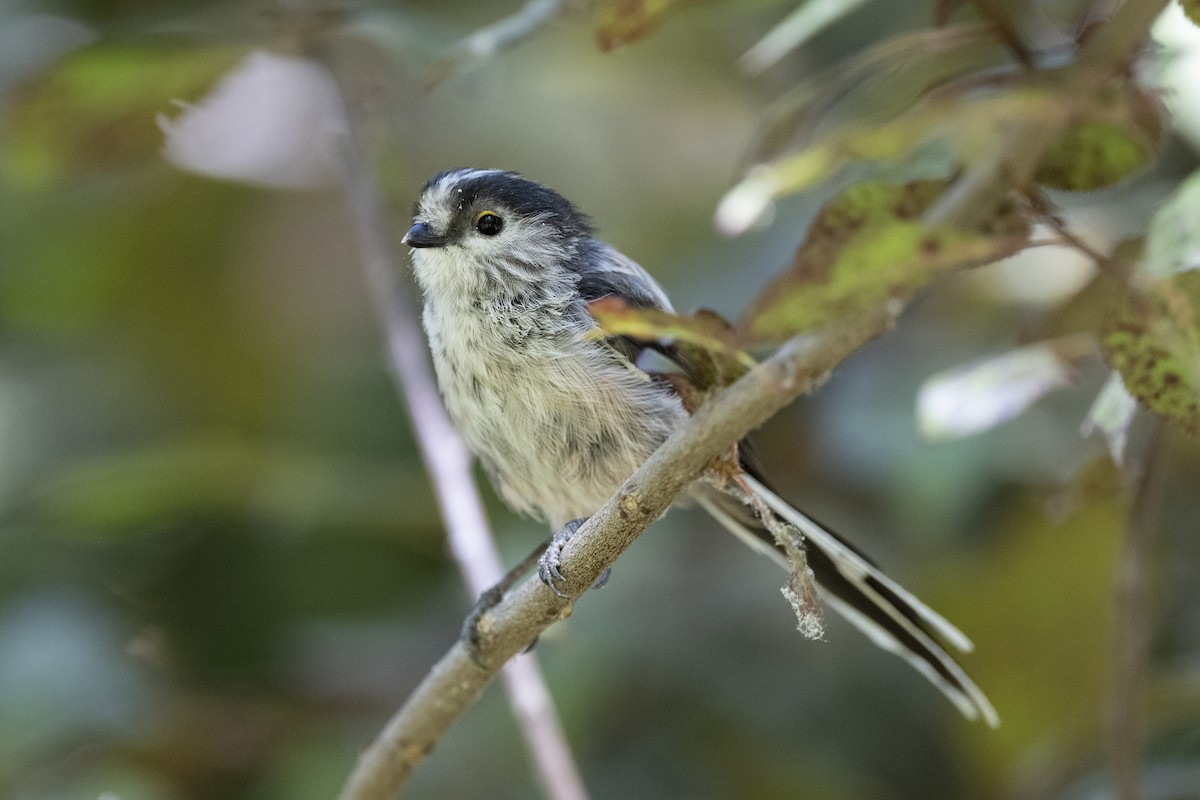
559	424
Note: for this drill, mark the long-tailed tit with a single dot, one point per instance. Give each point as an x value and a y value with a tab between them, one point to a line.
560	419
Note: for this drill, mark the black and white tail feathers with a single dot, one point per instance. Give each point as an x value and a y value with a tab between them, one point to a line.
891	616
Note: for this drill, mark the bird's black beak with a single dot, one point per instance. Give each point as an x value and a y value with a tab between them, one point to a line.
421	235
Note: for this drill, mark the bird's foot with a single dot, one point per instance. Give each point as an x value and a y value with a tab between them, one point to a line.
549	565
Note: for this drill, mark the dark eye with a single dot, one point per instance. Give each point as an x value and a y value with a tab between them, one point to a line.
489	223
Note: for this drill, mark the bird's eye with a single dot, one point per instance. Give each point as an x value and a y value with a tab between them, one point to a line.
489	223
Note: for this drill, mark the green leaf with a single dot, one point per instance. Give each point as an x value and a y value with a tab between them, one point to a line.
1151	338
1092	155
97	108
1192	9
948	107
1106	138
868	244
705	344
964	129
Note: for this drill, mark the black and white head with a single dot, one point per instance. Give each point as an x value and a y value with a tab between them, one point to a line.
478	232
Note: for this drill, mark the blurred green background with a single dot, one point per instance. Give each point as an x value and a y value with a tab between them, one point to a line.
221	565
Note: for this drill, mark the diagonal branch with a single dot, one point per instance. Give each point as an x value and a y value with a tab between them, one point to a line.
449	466
458	679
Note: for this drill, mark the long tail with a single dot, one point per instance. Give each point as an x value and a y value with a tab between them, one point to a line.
891	616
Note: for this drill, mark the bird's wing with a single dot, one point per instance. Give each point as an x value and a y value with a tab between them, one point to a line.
891	616
610	273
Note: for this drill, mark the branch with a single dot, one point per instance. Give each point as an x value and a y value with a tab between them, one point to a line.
448	464
458	679
1132	620
1107	54
486	42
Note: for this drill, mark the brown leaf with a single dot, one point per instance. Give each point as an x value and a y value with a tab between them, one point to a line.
619	22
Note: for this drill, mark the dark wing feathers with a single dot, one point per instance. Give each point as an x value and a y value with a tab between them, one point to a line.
852	584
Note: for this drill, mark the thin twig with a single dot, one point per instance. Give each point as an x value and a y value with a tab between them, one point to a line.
457	680
1119	269
1106	55
449	466
1132	621
486	42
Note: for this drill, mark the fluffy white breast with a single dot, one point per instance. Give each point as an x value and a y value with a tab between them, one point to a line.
559	421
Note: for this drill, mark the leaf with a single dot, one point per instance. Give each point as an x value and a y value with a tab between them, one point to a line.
1192	9
1111	414
1089	156
961	133
620	22
876	86
868	244
951	105
272	120
1151	339
1173	241
1108	140
973	398
704	344
1107	137
96	108
1083	312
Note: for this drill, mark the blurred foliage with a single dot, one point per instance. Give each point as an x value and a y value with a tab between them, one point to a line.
1152	341
871	243
620	22
97	108
222	565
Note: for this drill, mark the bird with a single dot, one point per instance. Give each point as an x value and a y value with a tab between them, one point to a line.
559	417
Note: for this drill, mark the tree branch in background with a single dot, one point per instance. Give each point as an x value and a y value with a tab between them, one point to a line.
486	42
1105	55
458	679
448	464
1132	634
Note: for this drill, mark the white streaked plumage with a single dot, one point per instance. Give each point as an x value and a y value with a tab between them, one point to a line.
560	420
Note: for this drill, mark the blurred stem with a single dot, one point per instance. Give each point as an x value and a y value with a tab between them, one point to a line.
1132	635
449	466
486	42
798	27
